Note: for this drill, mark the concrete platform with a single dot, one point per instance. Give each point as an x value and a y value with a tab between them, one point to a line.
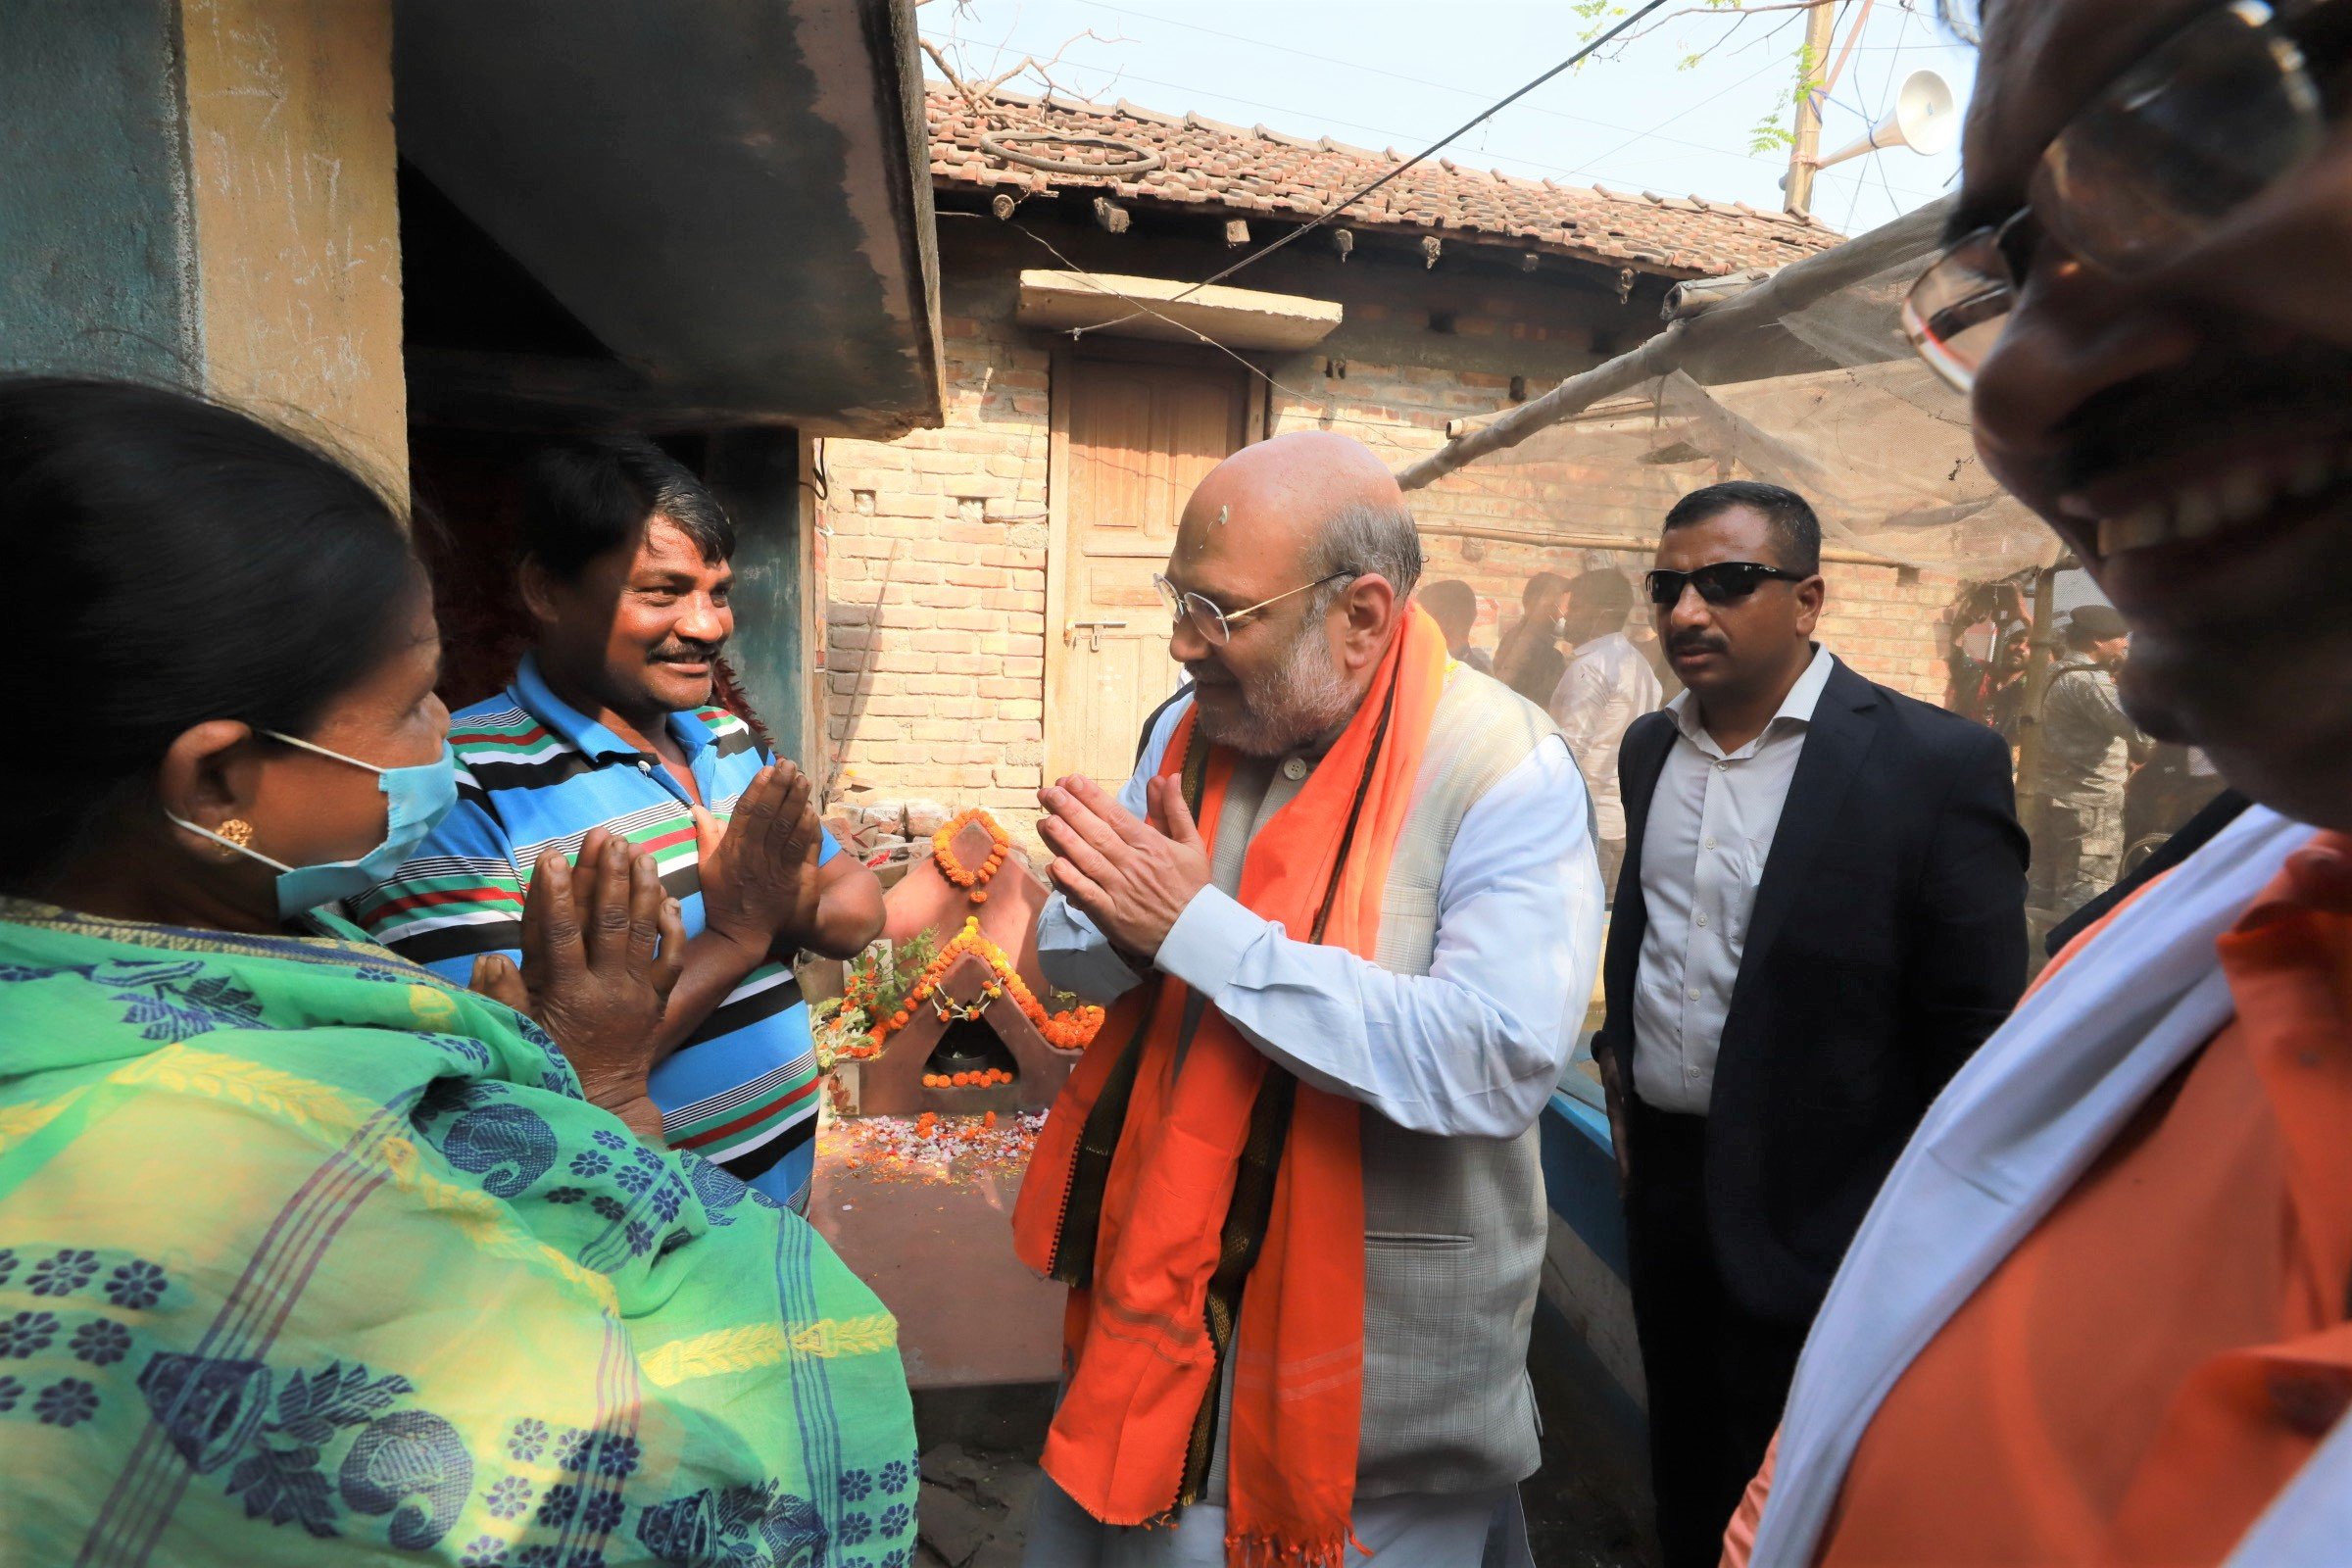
940	1255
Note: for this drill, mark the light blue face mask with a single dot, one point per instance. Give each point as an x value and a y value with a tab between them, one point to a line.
420	797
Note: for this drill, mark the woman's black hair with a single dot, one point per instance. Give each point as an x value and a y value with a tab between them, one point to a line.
175	561
1542	591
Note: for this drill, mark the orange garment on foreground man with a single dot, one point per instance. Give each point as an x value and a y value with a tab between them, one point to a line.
2156	1360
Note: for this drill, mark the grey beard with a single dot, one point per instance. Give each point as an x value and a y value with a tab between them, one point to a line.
1306	699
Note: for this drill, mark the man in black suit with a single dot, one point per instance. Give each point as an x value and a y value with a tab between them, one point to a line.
1822	914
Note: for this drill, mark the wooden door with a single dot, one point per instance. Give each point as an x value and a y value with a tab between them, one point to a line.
1132	437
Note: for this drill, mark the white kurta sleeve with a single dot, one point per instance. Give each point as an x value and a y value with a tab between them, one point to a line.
1475	1047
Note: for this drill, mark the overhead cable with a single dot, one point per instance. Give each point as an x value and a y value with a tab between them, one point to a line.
1426	153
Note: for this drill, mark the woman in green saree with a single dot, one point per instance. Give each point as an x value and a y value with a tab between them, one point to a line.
306	1255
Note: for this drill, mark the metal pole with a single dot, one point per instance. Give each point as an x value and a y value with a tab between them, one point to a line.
1820	23
2041	657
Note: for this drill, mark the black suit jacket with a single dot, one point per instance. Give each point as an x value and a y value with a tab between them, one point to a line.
1888	940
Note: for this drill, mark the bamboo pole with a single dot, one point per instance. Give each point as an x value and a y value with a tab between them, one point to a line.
2041	657
1791	288
1615	541
1811	92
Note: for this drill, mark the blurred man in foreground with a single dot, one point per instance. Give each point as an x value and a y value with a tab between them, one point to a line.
2098	1313
1348	908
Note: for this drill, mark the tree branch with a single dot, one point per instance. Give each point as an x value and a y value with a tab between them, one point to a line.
980	95
1740	13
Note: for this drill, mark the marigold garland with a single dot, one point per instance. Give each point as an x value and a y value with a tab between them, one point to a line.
1073	1030
986	1077
943	853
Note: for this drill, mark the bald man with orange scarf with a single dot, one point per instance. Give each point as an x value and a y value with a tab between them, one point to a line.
1348	909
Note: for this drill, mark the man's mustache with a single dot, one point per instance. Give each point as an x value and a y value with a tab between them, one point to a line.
1208	673
685	653
1695	642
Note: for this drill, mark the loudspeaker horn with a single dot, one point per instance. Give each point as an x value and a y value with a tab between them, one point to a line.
1925	119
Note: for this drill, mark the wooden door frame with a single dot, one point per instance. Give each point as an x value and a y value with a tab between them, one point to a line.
1256	412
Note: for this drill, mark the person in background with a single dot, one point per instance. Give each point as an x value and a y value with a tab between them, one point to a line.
2089	746
608	725
2004	697
1646	642
1347	913
1992	691
310	1256
1822	915
1989	689
2098	1313
1529	660
1607	685
1454	608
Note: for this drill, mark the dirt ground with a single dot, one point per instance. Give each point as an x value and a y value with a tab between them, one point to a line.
1582	1510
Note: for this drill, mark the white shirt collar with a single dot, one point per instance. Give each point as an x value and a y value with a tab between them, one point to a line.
1797	708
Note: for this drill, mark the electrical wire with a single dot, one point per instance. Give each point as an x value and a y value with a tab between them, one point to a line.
1887	90
1142	308
1688	109
1426	153
1586	171
1394	75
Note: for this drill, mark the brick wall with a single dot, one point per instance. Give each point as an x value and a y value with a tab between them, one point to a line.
933	628
935	585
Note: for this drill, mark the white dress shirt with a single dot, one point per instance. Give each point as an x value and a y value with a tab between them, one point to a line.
1608	685
1710	830
1471	1049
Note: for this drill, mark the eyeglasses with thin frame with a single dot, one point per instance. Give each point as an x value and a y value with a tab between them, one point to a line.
1718	582
2213	117
1215	624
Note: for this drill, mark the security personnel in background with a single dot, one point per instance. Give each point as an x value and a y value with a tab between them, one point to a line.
2089	746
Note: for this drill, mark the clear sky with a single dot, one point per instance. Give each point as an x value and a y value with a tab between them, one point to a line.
1402	73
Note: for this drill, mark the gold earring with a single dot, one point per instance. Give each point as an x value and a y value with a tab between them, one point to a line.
237	831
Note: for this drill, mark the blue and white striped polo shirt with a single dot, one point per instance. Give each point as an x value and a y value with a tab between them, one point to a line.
533	771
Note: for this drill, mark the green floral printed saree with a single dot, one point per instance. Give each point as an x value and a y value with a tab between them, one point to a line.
308	1257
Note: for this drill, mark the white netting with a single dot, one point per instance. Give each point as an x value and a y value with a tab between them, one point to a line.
1832	402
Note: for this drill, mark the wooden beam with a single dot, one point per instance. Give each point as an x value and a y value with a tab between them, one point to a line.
1237	232
1113	218
554	395
1791	288
1171	310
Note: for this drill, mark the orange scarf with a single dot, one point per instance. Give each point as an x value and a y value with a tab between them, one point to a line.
1130	1440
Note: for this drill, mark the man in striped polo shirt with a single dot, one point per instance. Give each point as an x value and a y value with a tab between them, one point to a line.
609	723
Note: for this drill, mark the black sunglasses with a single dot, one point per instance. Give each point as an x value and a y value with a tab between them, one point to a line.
1719	583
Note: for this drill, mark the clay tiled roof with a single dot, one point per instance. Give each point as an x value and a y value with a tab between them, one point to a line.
1248	170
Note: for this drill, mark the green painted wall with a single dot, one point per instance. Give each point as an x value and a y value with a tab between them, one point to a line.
757	476
96	269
